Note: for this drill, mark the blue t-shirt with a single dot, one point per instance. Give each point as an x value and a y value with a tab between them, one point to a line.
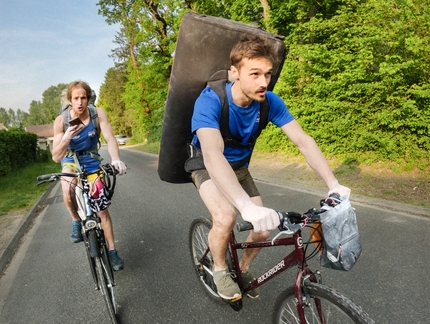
86	140
243	122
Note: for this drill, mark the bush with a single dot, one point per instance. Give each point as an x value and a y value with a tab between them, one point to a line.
17	150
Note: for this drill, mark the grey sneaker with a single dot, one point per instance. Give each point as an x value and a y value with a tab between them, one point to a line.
76	235
227	288
246	279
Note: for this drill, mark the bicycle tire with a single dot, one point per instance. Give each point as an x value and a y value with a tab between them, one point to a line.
198	243
93	244
104	255
91	262
336	307
106	287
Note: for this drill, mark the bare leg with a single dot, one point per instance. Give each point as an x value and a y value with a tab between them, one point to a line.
223	217
69	195
107	228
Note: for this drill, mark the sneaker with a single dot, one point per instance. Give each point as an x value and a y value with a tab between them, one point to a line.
227	288
76	235
247	278
115	260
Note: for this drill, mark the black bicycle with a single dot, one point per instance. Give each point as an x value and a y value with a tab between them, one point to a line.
307	300
92	232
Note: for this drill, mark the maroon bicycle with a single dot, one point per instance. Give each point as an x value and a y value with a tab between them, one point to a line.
307	300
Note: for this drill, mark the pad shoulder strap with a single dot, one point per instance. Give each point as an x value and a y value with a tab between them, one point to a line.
218	86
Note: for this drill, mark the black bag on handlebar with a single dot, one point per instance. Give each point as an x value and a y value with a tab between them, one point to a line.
342	245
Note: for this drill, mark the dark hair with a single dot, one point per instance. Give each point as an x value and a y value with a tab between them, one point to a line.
79	84
251	47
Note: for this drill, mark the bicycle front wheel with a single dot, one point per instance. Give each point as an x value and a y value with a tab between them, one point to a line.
198	244
335	307
106	286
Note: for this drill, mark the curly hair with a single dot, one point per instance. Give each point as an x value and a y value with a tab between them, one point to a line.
79	84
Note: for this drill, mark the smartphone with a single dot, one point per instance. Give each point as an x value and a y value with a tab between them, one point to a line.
75	121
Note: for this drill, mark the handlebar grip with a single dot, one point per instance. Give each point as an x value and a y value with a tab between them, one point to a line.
44	177
244	226
110	169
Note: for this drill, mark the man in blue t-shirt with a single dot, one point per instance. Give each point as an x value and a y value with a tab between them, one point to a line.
224	189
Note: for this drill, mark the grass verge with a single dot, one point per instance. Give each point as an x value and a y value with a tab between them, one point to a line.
379	180
18	190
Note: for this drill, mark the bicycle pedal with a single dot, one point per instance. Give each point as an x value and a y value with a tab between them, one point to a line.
236	303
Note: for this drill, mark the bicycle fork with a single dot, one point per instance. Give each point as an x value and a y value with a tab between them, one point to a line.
304	298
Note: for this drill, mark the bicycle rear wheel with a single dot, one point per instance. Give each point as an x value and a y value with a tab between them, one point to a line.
198	244
335	307
106	286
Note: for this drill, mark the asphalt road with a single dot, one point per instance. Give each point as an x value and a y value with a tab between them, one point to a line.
48	281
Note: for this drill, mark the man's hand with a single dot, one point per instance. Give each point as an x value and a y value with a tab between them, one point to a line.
262	218
341	190
72	131
120	166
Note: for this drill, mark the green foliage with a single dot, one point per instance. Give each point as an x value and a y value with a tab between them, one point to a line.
356	76
359	82
11	118
110	98
47	110
145	97
42	155
272	140
17	150
18	189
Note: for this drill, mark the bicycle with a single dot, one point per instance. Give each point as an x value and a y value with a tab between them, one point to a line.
307	300
92	232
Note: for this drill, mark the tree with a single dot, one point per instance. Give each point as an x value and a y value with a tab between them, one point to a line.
148	29
110	98
4	117
363	74
47	110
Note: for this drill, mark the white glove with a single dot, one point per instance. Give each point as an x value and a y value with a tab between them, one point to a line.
120	166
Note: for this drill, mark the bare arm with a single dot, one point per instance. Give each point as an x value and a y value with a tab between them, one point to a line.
226	181
314	157
109	136
219	169
62	139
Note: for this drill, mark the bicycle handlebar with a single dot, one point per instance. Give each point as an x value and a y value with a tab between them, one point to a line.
292	218
108	168
55	176
293	221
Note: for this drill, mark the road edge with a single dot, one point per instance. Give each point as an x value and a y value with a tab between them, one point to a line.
8	252
379	203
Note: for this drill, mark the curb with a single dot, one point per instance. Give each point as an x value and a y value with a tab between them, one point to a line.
8	252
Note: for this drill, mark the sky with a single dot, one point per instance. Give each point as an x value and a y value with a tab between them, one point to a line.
47	42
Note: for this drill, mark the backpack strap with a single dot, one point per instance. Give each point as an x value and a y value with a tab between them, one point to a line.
95	120
94	117
229	139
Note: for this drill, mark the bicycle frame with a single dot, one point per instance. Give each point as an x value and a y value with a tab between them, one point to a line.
296	257
92	232
90	222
